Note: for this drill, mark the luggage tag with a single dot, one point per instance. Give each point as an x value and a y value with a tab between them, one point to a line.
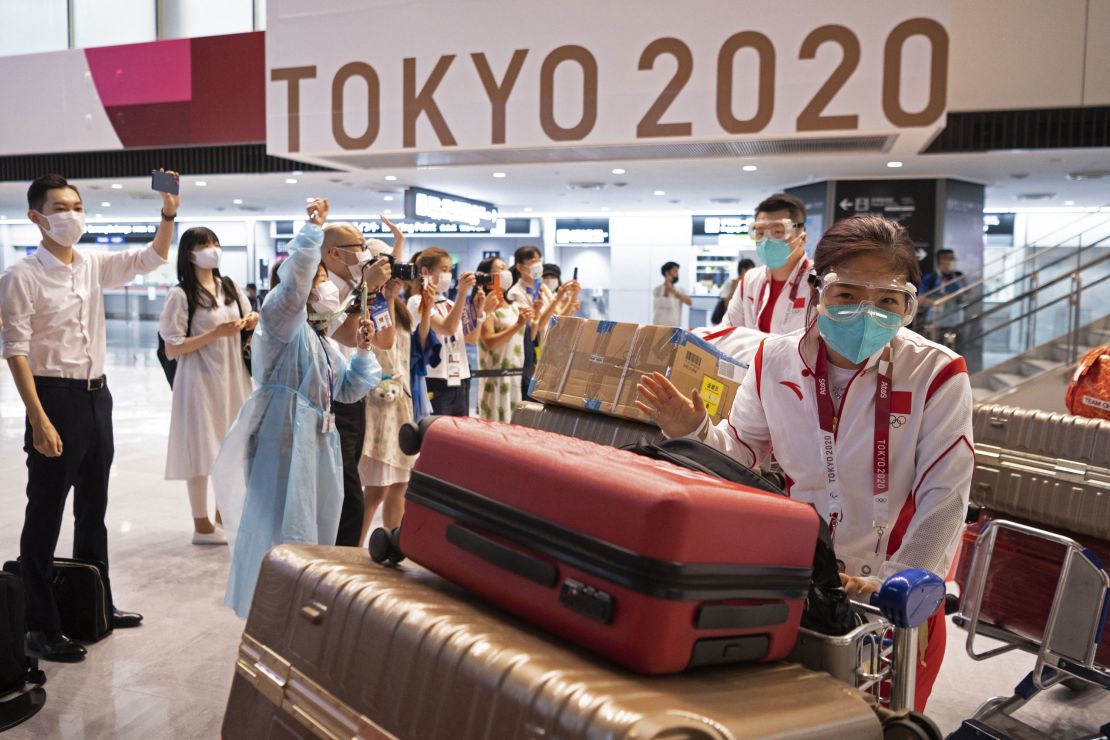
454	364
379	313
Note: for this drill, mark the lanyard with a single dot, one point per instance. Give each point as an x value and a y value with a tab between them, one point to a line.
327	358
828	419
801	268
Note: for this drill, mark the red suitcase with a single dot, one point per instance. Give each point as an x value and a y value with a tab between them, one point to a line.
1022	578
655	567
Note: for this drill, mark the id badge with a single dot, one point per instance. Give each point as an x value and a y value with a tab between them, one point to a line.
379	313
328	423
454	366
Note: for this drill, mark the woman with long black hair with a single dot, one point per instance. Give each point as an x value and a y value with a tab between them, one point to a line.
201	325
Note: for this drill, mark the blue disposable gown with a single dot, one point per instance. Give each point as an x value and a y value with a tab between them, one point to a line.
278	475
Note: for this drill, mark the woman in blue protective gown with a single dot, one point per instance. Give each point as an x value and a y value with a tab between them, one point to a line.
278	476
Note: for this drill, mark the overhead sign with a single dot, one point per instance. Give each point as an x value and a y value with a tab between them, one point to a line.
718	225
485	75
912	203
581	232
107	234
448	214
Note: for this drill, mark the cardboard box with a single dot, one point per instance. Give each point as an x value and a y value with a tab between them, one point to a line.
596	365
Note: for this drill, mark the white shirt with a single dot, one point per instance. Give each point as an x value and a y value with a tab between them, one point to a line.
931	452
751	296
54	313
456	343
667	309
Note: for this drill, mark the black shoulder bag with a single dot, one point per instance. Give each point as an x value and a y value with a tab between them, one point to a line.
169	367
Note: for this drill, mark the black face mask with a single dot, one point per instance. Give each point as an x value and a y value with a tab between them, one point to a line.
674	279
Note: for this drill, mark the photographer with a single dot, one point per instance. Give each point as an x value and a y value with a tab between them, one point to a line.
350	261
54	342
501	348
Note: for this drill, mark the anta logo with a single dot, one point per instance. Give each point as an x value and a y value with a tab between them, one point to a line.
792	386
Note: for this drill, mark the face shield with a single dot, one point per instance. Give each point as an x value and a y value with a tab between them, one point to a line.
843	297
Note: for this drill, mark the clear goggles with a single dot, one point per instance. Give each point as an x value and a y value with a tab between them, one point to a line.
890	303
782	229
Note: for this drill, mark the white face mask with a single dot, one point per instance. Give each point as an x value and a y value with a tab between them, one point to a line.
324	298
505	281
443	282
536	270
551	283
67	227
207	258
364	257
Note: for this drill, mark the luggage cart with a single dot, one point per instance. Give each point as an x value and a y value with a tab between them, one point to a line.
879	657
1072	633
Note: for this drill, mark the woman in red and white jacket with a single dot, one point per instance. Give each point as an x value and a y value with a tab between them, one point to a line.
870	422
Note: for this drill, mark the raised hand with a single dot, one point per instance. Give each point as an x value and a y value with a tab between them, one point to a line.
377	273
675	414
318	211
365	333
466	282
427	300
393	228
491	302
392	288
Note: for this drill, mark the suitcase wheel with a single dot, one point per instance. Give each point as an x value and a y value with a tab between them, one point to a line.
411	436
385	546
911	726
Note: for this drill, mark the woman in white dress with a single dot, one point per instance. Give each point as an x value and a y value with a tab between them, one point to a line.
201	325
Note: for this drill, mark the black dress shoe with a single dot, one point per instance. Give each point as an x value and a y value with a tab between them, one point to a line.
54	646
123	620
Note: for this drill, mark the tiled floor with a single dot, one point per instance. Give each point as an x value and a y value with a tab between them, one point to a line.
169	678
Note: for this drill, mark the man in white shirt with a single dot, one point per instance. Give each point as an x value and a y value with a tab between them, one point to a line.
668	299
54	342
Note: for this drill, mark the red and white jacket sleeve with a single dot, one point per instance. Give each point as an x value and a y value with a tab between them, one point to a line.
744	434
927	530
735	315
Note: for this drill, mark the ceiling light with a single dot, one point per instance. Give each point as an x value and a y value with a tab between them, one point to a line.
297	172
749	168
201	184
238	201
660	192
388	197
391	178
527	210
105	204
618	171
309	199
1069	202
117	186
895	164
498	174
290	181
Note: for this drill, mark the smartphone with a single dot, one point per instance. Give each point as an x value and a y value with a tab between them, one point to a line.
165	182
575	274
365	303
495	282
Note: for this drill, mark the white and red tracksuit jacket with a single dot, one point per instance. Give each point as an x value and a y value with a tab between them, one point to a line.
750	298
931	452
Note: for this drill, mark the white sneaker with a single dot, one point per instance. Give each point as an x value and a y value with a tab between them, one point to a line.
210	538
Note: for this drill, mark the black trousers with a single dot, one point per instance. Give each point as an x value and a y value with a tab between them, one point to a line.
449	400
350	422
83	419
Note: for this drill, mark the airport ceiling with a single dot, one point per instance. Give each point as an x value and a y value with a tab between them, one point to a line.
1042	179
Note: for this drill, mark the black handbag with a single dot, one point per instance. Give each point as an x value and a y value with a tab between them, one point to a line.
16	668
827	609
244	337
81	593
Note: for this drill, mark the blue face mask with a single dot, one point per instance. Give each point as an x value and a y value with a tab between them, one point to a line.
857	337
773	252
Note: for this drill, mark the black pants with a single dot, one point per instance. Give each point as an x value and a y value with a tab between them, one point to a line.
350	422
449	400
83	419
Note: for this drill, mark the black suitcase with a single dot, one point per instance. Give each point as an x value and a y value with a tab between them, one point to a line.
80	590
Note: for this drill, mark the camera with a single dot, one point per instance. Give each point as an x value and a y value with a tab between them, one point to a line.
483	279
401	270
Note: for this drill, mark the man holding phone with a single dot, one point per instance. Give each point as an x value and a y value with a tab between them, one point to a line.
54	342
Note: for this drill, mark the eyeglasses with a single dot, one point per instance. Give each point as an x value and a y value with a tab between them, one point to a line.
891	303
359	246
781	229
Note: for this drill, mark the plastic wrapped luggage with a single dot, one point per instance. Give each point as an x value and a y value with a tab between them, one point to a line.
1089	389
655	567
1023	575
337	646
1050	469
605	430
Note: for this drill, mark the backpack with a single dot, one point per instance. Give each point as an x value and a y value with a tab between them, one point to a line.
16	668
827	608
169	367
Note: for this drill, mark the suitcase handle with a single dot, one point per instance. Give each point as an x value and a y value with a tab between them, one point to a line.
506	558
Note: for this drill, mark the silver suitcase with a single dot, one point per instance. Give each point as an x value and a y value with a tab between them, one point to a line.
1048	468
